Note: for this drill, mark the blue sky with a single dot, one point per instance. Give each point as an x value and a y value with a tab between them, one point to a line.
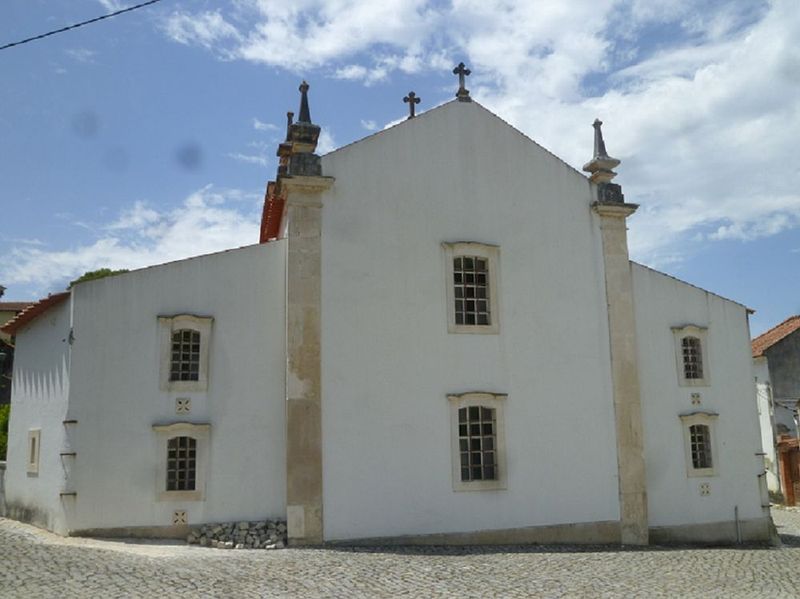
150	136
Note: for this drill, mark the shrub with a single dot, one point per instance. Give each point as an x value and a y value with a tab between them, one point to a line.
5	412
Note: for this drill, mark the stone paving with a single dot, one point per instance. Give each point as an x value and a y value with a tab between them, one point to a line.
34	563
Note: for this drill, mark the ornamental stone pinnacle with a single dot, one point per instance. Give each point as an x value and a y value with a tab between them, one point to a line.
600	167
305	113
463	93
411	99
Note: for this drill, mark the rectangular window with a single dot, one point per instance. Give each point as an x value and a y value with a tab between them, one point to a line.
472	287
185	340
182	456
698	434
185	363
34	447
477	443
700	442
181	464
471	290
692	358
691	355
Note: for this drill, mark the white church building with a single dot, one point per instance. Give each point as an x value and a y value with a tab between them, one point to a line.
439	339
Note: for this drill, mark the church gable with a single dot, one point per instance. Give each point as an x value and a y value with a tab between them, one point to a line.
453	127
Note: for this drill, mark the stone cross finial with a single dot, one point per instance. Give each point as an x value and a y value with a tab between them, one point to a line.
463	93
411	99
305	113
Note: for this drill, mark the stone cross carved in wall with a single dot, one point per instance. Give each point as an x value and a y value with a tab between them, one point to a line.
463	93
412	100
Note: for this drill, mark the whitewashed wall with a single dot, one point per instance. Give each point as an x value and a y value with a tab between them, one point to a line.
459	173
674	498
39	401
766	421
116	399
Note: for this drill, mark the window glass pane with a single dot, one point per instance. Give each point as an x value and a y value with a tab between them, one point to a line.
477	443
185	358
473	272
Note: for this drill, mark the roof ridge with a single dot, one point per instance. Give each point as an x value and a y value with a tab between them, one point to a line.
32	311
703	289
482	107
772	336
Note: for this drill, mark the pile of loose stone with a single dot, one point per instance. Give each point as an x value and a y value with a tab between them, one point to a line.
268	534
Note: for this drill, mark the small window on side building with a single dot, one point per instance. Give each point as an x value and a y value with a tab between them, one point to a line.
34	448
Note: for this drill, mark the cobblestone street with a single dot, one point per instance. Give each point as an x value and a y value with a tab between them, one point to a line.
34	563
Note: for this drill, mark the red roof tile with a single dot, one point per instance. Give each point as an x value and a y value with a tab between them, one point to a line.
14	306
766	340
33	311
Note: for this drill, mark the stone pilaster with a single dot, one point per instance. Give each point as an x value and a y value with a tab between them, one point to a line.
624	372
303	376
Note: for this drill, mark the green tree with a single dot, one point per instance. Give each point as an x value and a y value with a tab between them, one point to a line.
5	412
100	273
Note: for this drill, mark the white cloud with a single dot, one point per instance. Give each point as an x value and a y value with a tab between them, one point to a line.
369	125
258	159
81	55
697	96
205	28
207	221
326	142
262	126
112	5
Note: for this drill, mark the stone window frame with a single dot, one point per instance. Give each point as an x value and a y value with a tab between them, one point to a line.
701	334
201	433
707	419
171	324
495	401
33	450
491	253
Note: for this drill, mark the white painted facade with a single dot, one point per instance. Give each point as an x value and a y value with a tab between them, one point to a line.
384	317
112	390
392	364
766	421
675	498
39	401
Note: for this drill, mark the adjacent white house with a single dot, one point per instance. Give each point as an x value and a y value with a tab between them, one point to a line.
440	338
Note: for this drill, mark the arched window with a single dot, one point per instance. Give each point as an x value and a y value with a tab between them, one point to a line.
183	460
692	358
181	464
185	362
478	443
698	434
185	340
691	355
